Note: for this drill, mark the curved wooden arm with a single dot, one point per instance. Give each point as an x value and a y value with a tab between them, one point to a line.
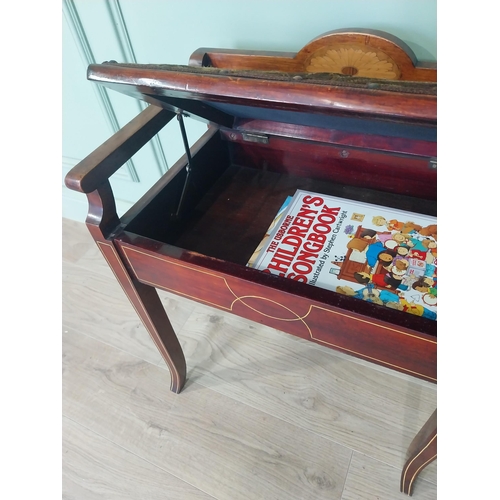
96	168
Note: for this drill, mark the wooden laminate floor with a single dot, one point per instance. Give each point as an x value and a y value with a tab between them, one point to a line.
264	415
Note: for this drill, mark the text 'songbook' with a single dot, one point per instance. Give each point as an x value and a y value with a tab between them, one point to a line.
374	253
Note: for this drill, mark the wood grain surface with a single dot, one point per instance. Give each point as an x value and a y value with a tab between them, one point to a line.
371	479
264	415
347	402
95	468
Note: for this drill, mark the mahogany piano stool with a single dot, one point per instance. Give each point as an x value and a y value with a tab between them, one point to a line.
351	114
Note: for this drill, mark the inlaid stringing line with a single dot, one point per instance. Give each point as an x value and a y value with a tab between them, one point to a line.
386	363
415	457
217	276
418	470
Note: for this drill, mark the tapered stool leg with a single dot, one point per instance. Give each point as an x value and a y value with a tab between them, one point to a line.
421	452
101	220
146	302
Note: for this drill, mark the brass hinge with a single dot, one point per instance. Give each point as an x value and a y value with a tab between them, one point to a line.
251	137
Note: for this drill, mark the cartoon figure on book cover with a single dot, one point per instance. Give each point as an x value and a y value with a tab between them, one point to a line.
398	259
376	254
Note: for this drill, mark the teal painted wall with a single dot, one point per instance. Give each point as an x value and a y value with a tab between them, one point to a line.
181	26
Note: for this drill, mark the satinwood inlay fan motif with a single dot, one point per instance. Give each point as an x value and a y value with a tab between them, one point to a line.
355	61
